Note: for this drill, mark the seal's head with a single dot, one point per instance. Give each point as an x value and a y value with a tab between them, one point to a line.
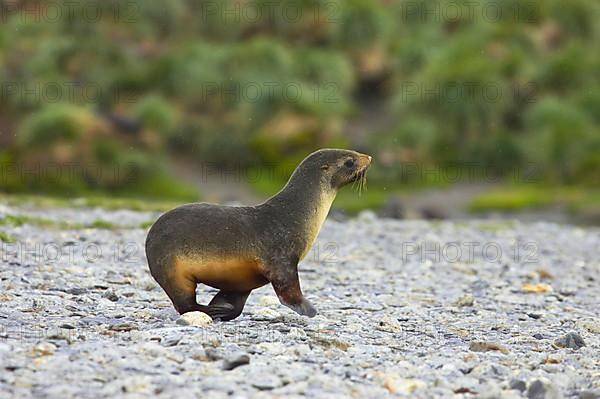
336	168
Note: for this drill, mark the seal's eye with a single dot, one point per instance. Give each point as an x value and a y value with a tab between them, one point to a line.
349	163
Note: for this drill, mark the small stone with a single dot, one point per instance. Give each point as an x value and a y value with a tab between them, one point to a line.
536	390
268	300
195	319
123	327
44	349
237	360
465	300
271	348
536	288
395	384
76	291
553	359
212	354
302	350
518	385
266	382
137	384
297	333
266	314
110	295
591	326
589	395
199	353
544	274
171	340
570	340
484	346
389	324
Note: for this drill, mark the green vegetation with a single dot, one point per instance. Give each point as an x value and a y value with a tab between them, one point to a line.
147	225
495	227
177	80
520	198
14	221
103	224
108	203
7	238
20	220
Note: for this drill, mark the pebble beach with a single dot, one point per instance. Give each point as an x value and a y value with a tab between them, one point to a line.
425	309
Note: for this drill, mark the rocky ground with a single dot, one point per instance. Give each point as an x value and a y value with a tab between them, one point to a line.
413	308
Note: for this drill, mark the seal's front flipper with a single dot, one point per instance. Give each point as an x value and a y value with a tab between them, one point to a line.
305	308
227	305
287	288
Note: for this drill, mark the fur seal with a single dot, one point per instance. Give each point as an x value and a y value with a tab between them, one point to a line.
238	249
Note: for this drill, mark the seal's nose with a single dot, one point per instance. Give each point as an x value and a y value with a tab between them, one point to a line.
364	160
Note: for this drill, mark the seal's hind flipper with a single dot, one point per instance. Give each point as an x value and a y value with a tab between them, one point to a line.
227	305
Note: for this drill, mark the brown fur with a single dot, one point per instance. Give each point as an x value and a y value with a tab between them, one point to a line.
238	249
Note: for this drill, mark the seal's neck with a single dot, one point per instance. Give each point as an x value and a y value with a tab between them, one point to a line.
305	190
304	202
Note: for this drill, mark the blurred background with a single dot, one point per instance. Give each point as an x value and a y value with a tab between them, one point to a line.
469	109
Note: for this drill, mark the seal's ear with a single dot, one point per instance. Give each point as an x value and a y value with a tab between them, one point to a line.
324	167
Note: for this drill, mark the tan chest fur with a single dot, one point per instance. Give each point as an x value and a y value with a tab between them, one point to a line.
320	213
235	274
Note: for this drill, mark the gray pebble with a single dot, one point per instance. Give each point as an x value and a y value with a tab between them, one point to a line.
235	361
388	323
266	382
519	385
536	390
110	295
589	395
570	340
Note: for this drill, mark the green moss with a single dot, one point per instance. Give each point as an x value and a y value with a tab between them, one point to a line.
7	238
108	203
509	200
20	220
514	199
495	227
147	225
13	221
103	224
134	204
